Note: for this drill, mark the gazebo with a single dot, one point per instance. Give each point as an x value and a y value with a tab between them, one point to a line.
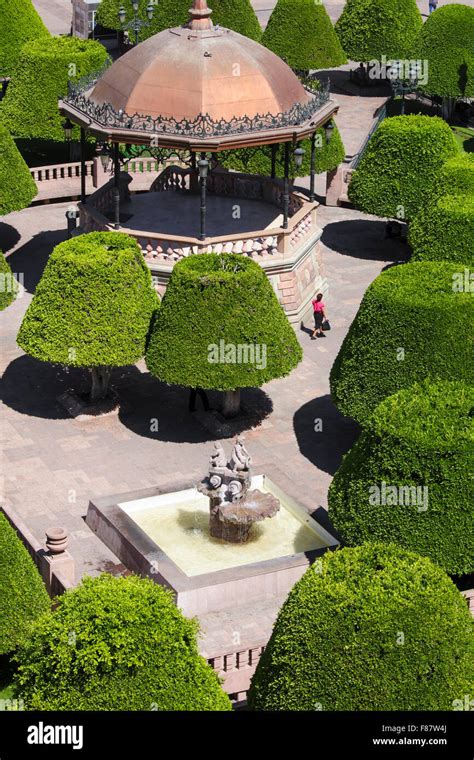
192	92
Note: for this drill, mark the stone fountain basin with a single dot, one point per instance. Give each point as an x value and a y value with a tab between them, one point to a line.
163	533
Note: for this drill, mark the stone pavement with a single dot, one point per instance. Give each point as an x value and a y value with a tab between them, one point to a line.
53	464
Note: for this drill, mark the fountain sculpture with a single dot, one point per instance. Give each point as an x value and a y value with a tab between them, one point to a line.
233	507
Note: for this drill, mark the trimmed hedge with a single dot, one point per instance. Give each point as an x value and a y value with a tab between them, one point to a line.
233	14
30	107
420	438
456	176
400	165
20	24
301	32
370	628
23	596
444	230
17	186
250	161
446	41
8	284
412	323
369	29
93	304
116	644
220	297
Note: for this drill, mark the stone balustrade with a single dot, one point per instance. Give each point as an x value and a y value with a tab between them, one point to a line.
60	171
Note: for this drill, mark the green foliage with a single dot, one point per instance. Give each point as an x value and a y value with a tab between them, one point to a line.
233	14
212	298
420	438
328	156
446	42
444	230
116	644
456	176
8	284
337	642
93	304
301	32
30	107
20	23
23	595
17	186
399	167
369	29
413	323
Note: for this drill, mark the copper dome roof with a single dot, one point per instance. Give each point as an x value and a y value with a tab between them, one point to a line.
200	69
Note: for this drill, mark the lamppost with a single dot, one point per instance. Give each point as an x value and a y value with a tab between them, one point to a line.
136	24
203	168
67	126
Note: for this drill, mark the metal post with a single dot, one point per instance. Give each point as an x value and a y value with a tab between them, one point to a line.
193	161
274	157
286	187
202	235
313	166
116	193
83	165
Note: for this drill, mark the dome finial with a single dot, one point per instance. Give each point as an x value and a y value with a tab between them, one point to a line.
200	16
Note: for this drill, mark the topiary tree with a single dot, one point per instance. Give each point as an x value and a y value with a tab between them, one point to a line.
232	14
117	644
30	107
407	479
23	596
456	176
20	24
235	334
17	186
301	32
446	42
444	230
92	307
328	156
370	628
8	284
400	164
370	29
415	321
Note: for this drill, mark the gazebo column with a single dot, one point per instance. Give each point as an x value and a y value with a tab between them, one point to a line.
83	165
313	166
274	157
286	186
203	169
116	193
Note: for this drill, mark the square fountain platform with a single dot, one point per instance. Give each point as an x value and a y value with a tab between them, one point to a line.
163	533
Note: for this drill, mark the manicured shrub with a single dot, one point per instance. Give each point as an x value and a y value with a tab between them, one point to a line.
407	479
117	644
301	32
23	596
8	284
93	306
328	156
399	167
17	186
30	107
370	628
444	230
221	300
369	29
456	176
233	14
414	322
20	24
446	42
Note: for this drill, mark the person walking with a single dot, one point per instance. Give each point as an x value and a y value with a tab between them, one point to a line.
432	5
319	316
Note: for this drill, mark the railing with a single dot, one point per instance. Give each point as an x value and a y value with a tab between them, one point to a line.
60	171
172	178
382	114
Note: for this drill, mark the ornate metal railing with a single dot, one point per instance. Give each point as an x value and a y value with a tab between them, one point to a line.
202	126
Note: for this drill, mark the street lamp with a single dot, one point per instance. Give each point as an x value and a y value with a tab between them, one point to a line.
136	24
67	127
104	157
299	153
329	129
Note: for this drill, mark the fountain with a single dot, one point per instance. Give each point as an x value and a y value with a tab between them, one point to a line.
233	508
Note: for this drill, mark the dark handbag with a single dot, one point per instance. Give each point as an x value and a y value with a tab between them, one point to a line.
326	326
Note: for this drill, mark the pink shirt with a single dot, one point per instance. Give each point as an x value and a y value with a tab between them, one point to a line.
318	305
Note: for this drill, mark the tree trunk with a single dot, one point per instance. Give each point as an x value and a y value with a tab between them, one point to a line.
231	403
100	382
